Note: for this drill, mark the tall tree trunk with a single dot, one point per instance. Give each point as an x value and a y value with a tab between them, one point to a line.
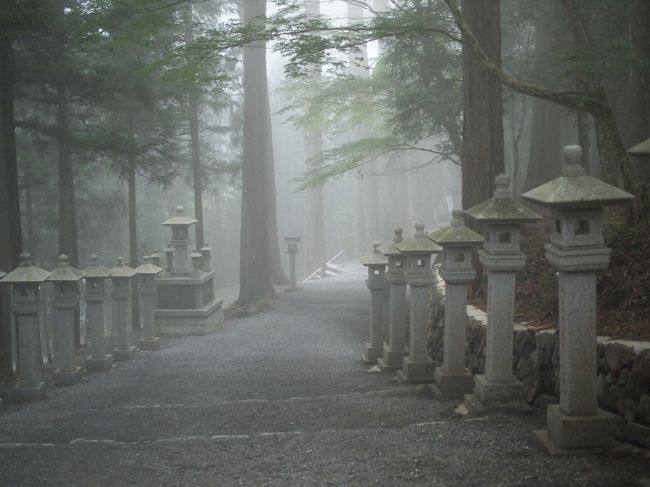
483	155
133	217
640	71
11	235
255	275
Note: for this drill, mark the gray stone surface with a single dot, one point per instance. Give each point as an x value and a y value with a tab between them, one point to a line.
279	399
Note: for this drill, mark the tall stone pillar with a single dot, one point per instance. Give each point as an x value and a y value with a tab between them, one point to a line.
65	299
502	218
376	282
147	273
578	252
292	250
26	280
121	276
418	367
452	379
96	276
395	349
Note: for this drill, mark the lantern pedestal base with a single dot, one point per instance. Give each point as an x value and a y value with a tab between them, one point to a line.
391	360
292	289
496	397
97	364
416	372
28	394
372	354
67	377
189	321
453	385
149	345
577	434
120	355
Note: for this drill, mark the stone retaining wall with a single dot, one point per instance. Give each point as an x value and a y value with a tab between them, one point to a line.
623	366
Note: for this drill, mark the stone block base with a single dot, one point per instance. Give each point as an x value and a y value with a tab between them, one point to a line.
579	434
496	396
391	360
371	354
189	321
149	345
453	386
67	377
292	289
28	394
123	355
416	372
95	364
475	406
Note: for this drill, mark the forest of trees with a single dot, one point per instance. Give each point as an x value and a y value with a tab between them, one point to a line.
112	112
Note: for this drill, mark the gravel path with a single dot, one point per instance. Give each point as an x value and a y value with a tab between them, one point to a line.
279	399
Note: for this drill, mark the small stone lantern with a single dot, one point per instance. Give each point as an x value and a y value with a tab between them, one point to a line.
147	273
65	280
578	252
96	275
206	252
197	263
169	258
502	218
180	227
452	379
156	258
376	263
121	277
395	349
292	250
418	367
26	280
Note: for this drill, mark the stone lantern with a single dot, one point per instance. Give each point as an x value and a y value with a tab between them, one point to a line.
65	280
578	252
197	263
418	367
452	379
395	349
206	252
121	277
502	218
26	280
376	263
156	258
180	227
169	258
147	273
292	250
96	275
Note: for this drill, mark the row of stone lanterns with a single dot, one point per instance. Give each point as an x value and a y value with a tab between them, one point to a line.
576	250
26	282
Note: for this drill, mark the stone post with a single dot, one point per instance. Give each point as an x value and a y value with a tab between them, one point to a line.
578	252
180	225
147	273
169	258
65	280
395	349
121	276
452	379
26	280
96	276
497	388
292	250
418	367
206	252
376	282
197	263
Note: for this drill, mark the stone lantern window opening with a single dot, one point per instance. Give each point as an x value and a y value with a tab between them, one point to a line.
459	257
583	227
505	238
558	226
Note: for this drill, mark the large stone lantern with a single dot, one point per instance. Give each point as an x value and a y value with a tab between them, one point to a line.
418	367
395	349
147	273
376	264
65	280
292	250
452	379
578	252
502	218
26	281
180	226
96	276
121	277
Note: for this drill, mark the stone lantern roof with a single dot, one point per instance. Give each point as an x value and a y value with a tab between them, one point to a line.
95	270
642	149
419	243
457	233
147	267
389	247
64	272
122	270
26	273
501	208
375	258
574	189
180	219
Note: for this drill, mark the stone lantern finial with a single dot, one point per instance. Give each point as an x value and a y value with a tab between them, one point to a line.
120	261
375	247
180	210
146	259
419	229
572	165
24	260
502	183
63	261
94	260
398	235
457	216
